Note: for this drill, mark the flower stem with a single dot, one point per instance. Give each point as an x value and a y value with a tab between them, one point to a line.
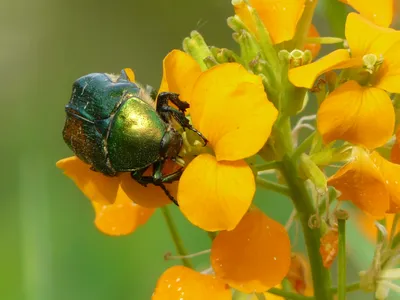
175	236
350	288
288	295
302	148
324	40
260	296
272	186
304	24
305	207
271	165
342	259
394	227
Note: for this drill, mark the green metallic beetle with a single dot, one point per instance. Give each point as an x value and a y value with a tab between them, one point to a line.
115	126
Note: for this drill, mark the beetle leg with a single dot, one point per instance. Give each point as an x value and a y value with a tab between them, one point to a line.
138	176
164	97
158	179
168	111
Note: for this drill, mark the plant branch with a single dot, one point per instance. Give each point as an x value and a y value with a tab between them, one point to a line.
272	186
175	236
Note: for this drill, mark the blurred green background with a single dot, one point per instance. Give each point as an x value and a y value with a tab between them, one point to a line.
50	248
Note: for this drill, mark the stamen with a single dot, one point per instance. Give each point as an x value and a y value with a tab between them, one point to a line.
392	286
390	274
291	219
301	124
382	229
372	62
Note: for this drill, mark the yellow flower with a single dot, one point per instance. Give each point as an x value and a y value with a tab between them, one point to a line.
280	17
371	182
349	113
380	13
253	257
395	153
179	282
116	213
230	108
314	48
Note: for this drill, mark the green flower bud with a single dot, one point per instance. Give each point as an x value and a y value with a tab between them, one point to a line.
223	55
313	172
196	47
295	58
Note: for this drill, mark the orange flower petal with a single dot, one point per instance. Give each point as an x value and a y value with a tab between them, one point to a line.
364	37
150	196
314	48
122	217
179	282
368	228
230	108
350	113
116	214
361	182
380	13
391	175
394	208
180	72
305	76
96	186
253	257
395	154
130	74
389	73
215	195
366	224
280	17
329	247
299	275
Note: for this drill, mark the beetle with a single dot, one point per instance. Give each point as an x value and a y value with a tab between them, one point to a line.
114	125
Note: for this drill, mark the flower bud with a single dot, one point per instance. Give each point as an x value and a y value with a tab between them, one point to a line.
223	55
295	58
196	47
314	173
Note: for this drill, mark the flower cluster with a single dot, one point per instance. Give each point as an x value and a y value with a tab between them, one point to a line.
243	105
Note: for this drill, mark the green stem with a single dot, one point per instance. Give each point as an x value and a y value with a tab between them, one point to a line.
175	236
379	234
273	186
288	295
271	165
305	209
342	260
350	288
304	145
260	296
394	227
304	24
324	40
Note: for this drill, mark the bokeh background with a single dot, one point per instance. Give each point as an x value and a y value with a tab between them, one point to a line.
49	247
